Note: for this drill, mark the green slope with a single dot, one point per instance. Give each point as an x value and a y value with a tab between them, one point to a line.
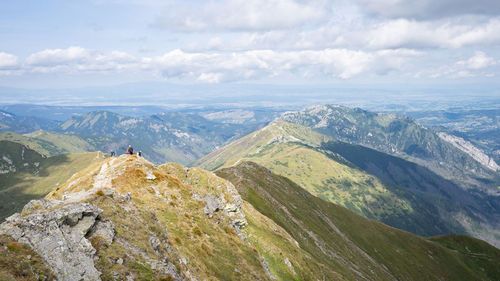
168	222
294	151
341	239
254	144
33	175
483	209
50	144
398	193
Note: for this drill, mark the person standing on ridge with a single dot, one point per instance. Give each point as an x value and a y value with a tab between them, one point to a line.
130	150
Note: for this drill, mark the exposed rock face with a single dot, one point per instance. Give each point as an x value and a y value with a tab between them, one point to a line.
470	149
58	234
233	210
103	229
212	203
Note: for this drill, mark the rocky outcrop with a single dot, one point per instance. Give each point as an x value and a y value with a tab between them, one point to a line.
232	210
58	233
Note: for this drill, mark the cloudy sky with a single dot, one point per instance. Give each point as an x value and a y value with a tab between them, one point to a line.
64	44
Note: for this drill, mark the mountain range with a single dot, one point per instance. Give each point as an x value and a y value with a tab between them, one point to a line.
477	126
167	136
412	189
24	124
324	193
396	135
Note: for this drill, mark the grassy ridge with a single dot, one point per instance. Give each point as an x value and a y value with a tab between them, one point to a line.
297	152
255	143
167	208
160	218
442	195
322	228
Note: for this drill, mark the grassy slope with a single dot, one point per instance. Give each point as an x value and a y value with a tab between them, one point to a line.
165	208
300	236
476	254
321	228
331	177
451	200
18	188
50	144
255	142
19	263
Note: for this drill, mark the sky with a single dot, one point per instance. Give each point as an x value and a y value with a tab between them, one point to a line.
93	43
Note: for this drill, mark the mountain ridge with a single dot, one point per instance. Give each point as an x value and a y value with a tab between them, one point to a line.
126	218
285	149
397	135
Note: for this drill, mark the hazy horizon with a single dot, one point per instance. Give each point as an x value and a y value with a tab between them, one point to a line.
62	52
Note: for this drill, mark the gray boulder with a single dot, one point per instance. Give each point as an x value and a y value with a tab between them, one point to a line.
58	235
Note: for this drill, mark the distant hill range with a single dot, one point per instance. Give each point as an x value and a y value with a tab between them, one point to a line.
24	124
162	137
168	136
481	127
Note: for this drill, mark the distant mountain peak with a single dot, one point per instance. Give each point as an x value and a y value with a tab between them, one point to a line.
397	135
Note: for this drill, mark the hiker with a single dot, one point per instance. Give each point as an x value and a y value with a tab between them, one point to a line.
130	150
139	153
112	153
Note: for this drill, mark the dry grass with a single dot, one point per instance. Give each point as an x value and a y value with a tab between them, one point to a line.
15	264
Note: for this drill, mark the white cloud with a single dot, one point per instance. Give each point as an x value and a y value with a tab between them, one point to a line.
217	67
478	65
242	15
78	59
328	63
363	34
7	61
52	57
478	61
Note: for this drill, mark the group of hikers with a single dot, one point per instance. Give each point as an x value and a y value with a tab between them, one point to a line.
130	151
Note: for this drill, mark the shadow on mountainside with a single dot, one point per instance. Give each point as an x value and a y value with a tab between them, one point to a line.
19	188
447	196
